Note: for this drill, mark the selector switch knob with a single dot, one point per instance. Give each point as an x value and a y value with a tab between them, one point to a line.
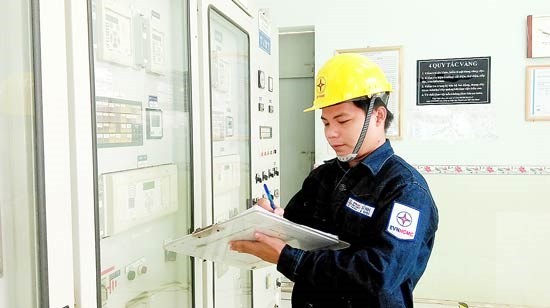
131	275
142	269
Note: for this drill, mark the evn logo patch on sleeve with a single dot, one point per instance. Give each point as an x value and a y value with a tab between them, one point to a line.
403	221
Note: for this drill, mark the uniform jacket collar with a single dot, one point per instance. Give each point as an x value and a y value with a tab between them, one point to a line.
375	160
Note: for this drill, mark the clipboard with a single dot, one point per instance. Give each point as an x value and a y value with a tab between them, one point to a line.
212	243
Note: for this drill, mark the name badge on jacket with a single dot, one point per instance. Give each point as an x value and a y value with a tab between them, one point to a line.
361	208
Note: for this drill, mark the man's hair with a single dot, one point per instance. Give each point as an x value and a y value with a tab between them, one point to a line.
378	102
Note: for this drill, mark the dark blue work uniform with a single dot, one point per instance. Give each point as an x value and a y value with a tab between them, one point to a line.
384	209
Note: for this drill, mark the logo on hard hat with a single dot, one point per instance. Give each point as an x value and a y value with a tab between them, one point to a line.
321	86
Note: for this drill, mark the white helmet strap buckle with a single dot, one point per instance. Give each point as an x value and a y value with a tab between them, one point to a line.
347	157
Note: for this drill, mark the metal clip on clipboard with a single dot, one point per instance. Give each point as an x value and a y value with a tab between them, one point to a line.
206	231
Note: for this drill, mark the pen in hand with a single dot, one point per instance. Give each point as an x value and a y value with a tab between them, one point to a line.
269	197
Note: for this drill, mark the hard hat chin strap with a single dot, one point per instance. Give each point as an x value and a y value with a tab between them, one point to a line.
353	154
346	158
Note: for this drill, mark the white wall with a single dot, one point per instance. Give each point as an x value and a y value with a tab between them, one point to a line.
497	259
431	29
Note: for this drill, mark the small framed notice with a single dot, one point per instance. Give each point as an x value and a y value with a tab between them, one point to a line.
537	94
453	81
390	61
538	36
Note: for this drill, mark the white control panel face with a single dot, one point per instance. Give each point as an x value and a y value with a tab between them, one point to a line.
115	43
137	196
265	146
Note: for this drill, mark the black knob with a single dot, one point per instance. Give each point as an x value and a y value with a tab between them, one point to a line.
131	275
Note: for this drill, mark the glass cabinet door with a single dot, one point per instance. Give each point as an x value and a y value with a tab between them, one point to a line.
143	141
19	275
230	127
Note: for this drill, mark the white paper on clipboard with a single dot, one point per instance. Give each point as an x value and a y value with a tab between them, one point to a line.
212	243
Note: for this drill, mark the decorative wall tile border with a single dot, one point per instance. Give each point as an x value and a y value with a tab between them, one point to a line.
450	303
483	169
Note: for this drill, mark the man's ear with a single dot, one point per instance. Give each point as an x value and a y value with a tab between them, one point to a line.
381	114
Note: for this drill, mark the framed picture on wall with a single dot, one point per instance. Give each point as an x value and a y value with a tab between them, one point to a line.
537	93
538	36
390	61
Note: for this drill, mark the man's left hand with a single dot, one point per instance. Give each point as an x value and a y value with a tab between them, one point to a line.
264	247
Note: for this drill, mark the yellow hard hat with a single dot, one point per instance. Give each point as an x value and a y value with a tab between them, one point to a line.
345	77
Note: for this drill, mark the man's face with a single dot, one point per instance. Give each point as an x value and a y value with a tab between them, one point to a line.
343	123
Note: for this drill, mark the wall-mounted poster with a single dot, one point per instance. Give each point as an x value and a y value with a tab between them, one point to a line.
538	36
537	94
453	81
389	60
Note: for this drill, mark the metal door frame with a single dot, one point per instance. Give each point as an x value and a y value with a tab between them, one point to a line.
203	208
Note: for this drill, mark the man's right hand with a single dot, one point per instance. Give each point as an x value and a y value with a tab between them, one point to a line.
264	203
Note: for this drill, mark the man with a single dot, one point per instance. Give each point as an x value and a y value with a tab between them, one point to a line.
368	196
